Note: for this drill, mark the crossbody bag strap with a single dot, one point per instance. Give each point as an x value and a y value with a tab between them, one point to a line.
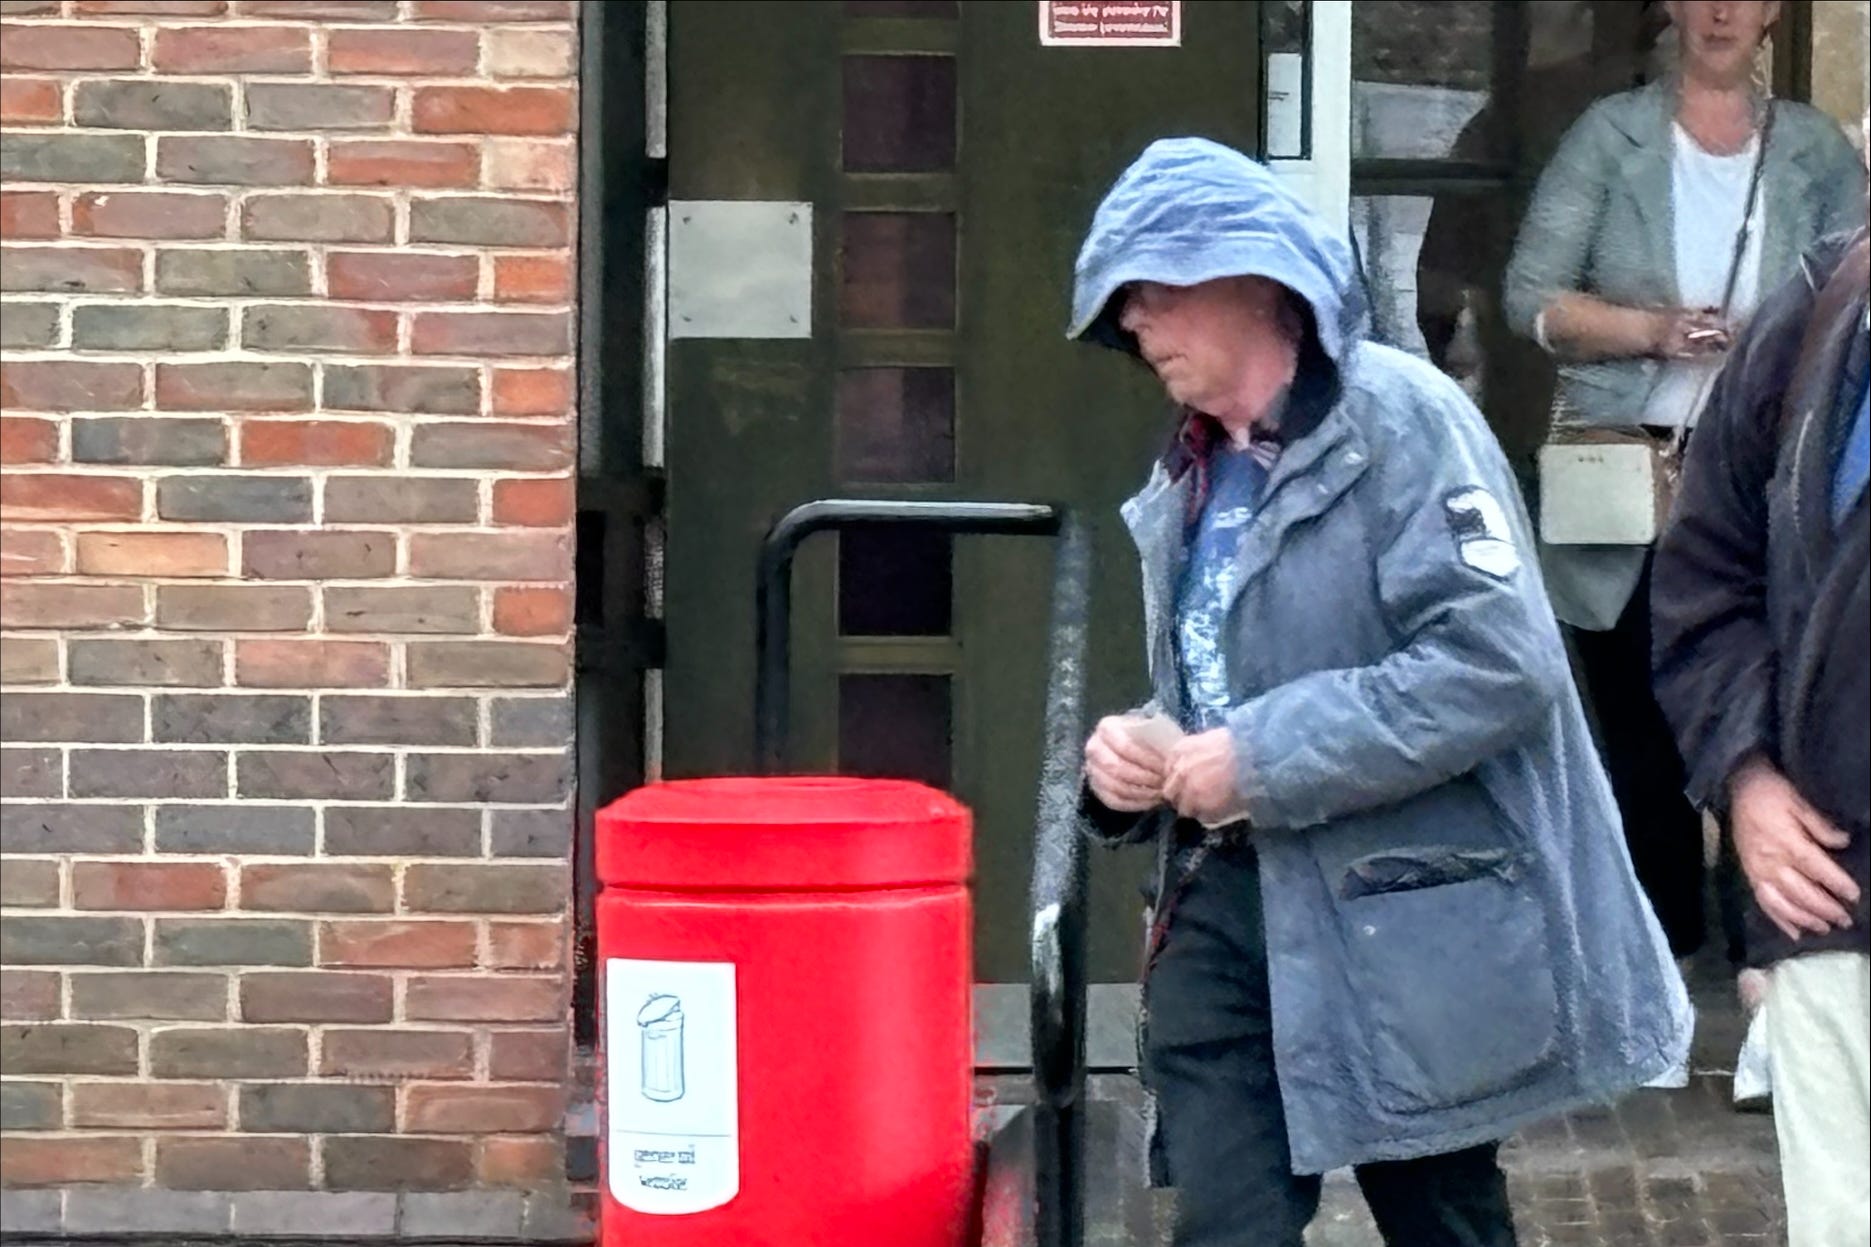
1680	439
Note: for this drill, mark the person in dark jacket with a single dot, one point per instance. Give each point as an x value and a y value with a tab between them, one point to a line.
1762	650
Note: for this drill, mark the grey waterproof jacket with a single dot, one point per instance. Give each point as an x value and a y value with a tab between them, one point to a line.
1457	944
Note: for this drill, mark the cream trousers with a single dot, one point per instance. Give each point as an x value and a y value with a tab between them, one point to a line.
1819	1045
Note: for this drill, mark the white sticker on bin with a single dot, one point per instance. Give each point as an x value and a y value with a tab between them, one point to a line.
672	1085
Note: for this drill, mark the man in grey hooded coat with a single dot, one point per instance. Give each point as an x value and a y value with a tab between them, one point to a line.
1395	918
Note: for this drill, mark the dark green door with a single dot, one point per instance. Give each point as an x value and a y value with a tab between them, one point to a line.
951	164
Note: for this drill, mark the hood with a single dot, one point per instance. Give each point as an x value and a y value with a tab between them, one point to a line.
1190	210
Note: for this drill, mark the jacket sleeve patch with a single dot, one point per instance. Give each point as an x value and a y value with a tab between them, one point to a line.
1483	538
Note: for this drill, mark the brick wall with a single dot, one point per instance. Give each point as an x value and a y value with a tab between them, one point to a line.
285	524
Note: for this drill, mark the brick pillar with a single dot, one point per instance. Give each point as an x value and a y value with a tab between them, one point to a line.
285	518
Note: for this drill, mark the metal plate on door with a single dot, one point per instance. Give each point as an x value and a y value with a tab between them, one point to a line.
740	269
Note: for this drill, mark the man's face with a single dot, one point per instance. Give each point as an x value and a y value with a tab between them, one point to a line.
1198	339
1719	37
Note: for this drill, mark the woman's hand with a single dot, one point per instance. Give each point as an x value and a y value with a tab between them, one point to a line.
1688	333
1124	773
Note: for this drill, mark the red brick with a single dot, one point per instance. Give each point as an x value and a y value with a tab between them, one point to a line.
234	50
529	1161
234	386
433	389
491	333
327	554
233	1163
148	885
315	443
532	391
528	1056
30	883
31	552
492	110
154	8
67	1048
479	887
297	328
149	996
512	447
71	606
381	276
315	996
380	1163
489	221
236	160
24	439
152	554
532	611
149	214
149	1106
493	10
29	101
435	609
397	1054
311	664
533	279
92	270
233	608
70	385
319	106
490	556
319	218
400	162
529	165
534	503
29	995
28	214
535	53
477	1110
58	497
316	10
318	887
68	47
525	945
34	1161
416	52
29	660
397	945
483	998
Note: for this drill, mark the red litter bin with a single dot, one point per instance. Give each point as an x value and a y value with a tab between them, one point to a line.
785	1004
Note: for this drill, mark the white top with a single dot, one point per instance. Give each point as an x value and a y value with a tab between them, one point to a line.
1708	202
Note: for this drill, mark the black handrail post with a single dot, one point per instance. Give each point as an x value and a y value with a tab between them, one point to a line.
1058	993
773	593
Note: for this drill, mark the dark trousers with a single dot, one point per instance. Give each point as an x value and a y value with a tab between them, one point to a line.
1663	830
1208	1056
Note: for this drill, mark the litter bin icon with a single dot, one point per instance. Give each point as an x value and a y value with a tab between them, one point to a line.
661	1021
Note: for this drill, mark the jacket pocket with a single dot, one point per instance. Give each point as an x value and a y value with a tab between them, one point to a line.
1450	955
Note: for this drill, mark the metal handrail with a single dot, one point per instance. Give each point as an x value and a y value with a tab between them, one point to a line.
1057	931
1057	937
773	603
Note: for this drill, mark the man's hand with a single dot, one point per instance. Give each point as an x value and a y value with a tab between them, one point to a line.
1199	779
1123	773
1781	841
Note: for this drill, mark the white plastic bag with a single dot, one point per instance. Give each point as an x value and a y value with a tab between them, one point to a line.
1754	1084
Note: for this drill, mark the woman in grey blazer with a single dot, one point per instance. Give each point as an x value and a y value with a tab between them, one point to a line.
1640	230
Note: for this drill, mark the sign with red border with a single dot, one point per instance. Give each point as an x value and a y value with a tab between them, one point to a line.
1110	23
